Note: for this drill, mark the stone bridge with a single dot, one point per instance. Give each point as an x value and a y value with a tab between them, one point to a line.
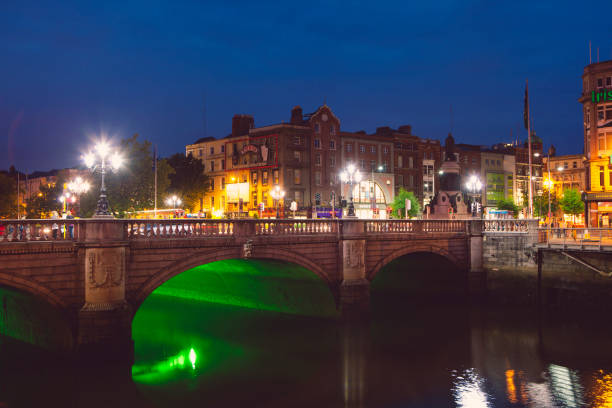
97	272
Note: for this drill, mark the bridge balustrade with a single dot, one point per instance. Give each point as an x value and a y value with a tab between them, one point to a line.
412	226
39	230
180	228
295	227
506	225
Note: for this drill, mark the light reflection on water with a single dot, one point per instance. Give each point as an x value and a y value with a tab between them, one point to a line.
409	362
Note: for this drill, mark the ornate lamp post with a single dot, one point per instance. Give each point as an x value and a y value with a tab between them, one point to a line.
277	194
474	185
173	201
101	159
351	176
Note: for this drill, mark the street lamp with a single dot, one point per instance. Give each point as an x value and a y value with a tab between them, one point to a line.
78	186
474	185
373	188
101	159
173	201
277	194
351	176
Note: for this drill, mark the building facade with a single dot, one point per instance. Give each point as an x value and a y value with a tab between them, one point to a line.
596	102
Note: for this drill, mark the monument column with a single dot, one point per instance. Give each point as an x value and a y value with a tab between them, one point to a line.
104	321
355	288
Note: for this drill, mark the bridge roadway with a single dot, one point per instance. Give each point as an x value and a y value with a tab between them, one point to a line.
97	272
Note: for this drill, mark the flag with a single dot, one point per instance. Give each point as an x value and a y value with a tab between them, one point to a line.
526	109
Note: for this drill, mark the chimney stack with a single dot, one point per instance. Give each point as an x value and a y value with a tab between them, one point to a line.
296	115
241	124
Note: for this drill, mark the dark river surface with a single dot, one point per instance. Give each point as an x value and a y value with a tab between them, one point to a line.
190	352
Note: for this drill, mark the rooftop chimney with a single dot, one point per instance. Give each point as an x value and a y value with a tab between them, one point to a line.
241	124
407	129
296	115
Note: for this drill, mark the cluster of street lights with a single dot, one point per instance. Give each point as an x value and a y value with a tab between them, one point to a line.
277	194
101	159
473	185
351	176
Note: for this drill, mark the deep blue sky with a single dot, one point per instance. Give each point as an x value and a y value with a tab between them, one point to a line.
69	71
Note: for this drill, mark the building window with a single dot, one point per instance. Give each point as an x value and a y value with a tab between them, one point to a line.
297	177
473	160
297	139
372	149
317	143
222	164
410	180
608	82
212	183
575	165
254	199
222	183
254	178
601	177
349	147
317	128
275	176
317	159
212	150
264	197
264	177
385	150
599	82
565	166
222	148
332	144
410	162
608	115
487	162
498	163
361	149
212	166
332	161
317	178
332	130
372	164
298	197
600	113
297	155
362	164
212	202
400	161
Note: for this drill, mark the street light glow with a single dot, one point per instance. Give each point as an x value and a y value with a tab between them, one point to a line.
89	159
116	160
102	148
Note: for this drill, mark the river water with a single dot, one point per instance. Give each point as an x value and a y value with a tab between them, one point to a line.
192	352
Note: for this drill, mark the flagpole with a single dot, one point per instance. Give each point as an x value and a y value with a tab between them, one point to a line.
155	168
529	150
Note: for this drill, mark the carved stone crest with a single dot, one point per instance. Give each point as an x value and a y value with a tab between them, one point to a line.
247	249
354	254
104	274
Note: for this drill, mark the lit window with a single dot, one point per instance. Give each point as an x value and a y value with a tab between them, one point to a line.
385	150
297	155
361	148
372	149
297	176
317	143
264	177
275	176
349	147
254	178
362	164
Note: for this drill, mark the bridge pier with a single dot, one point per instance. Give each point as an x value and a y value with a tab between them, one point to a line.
104	322
355	288
477	277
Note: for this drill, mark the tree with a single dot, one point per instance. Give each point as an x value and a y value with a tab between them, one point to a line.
540	204
571	202
188	180
47	199
399	203
8	196
508	204
131	188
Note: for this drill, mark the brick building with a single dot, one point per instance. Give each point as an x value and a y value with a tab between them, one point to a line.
596	102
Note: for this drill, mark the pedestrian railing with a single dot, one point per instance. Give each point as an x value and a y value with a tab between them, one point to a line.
295	227
39	230
506	225
179	228
414	226
575	237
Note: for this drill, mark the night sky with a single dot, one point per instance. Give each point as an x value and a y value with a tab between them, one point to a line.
71	71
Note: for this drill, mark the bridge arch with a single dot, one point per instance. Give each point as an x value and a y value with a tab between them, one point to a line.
166	273
410	249
33	288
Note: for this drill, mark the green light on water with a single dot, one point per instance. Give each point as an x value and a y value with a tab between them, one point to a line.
192	357
159	371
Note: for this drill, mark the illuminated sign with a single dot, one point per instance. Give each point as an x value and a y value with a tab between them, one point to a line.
249	148
601	96
236	192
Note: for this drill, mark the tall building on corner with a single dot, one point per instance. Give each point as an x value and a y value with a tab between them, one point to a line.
596	101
